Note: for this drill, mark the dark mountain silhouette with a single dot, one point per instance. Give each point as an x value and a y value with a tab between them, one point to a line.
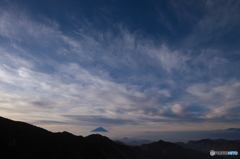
100	129
20	140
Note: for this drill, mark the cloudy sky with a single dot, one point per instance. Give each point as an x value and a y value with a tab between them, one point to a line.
125	65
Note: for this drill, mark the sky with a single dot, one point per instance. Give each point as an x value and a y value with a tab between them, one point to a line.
130	66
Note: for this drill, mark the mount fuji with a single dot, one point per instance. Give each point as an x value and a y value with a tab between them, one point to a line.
100	129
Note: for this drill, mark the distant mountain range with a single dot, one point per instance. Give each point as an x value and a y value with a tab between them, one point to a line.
206	145
234	129
133	141
19	140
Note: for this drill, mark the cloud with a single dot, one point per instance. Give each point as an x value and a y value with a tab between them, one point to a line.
169	60
176	108
215	26
117	51
20	29
50	122
96	120
221	98
114	76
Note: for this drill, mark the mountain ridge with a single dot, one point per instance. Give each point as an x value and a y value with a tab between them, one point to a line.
21	140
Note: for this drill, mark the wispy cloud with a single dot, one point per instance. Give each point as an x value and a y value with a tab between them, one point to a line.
214	27
100	120
222	99
114	76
